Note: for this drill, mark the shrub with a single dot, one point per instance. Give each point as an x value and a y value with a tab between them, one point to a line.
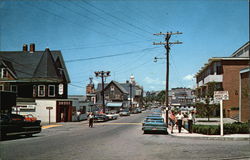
234	128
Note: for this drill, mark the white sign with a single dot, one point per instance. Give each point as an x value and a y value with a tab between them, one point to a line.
60	89
221	95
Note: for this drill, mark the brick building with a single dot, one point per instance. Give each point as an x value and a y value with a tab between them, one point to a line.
244	106
224	73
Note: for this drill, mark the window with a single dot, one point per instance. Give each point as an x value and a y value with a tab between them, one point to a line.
51	91
13	88
1	88
3	72
112	88
41	90
34	91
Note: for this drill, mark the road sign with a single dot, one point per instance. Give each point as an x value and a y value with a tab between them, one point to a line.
221	95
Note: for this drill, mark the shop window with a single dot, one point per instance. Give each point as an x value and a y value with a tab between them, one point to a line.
41	91
51	91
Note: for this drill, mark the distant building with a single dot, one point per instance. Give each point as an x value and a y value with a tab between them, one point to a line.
224	72
40	80
182	98
120	95
244	94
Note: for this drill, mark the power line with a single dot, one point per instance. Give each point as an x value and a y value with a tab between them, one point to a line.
121	20
72	22
107	56
106	19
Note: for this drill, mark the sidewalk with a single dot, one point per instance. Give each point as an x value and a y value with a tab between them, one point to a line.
184	134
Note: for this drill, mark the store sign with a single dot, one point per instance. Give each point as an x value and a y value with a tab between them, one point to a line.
60	89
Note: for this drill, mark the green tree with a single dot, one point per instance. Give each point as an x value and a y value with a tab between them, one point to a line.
206	109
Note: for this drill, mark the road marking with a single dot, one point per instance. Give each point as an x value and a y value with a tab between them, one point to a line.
50	126
118	123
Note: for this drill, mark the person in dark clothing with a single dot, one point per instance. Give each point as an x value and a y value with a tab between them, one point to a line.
179	117
91	120
190	122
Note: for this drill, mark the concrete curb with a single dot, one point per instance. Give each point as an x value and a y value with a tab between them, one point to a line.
214	138
244	137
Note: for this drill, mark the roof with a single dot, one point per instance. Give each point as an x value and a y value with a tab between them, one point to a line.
99	86
214	59
240	49
36	65
245	70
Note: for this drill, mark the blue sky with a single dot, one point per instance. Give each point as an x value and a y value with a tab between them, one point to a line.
94	28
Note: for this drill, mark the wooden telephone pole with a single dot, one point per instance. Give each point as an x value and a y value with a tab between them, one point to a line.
102	74
167	46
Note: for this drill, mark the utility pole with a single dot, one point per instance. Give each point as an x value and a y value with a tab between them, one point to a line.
167	46
103	75
130	87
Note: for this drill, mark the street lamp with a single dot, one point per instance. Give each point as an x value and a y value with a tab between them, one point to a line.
102	74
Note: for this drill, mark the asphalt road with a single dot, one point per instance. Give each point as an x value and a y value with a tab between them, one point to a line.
120	139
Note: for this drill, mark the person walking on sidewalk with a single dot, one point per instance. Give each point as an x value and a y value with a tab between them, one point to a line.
172	120
190	122
91	120
179	117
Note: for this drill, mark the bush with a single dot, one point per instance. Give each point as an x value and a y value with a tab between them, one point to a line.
234	128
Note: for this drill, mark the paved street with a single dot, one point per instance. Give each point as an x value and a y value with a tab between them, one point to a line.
119	139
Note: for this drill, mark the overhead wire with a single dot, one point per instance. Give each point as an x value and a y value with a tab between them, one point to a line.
117	18
107	56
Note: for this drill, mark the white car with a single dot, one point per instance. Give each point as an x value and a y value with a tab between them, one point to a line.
112	116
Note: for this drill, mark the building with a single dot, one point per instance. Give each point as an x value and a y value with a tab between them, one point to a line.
121	95
244	94
40	80
182	96
223	74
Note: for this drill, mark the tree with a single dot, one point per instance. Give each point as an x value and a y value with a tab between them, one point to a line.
207	108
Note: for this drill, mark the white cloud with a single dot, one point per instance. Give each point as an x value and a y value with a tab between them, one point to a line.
149	80
189	77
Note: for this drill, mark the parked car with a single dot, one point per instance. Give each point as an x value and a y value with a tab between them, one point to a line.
30	118
154	125
112	116
100	118
14	124
151	118
124	112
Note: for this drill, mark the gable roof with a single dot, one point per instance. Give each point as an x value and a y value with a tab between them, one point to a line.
118	85
36	65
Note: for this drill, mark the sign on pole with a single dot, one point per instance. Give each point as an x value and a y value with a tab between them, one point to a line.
220	96
49	108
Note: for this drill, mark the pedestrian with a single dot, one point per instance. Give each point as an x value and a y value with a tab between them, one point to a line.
78	113
179	118
172	120
91	120
190	122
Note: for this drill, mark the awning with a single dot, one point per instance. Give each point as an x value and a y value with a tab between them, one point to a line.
114	104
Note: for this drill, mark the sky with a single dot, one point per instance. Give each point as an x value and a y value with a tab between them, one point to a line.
117	36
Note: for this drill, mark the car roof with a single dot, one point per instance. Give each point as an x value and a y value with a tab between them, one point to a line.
153	117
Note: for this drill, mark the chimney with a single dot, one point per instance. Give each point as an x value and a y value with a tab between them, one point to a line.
32	47
25	48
